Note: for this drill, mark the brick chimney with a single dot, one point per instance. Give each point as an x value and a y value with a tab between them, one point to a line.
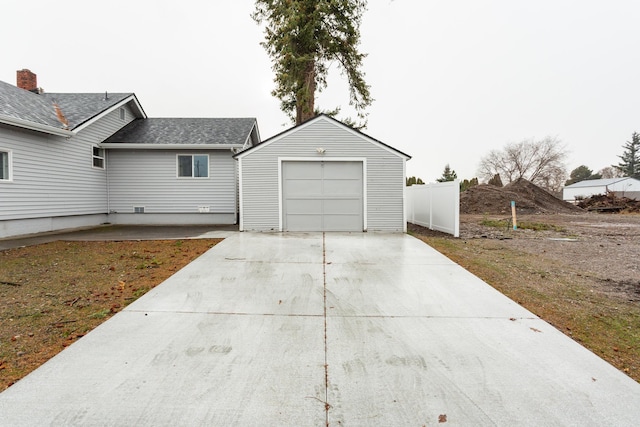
27	80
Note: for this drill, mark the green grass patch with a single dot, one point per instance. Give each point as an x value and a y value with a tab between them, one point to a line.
496	223
540	226
100	314
522	225
139	292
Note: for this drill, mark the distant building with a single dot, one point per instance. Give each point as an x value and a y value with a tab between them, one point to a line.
623	187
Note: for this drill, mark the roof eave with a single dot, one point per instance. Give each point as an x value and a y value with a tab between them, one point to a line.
38	127
139	146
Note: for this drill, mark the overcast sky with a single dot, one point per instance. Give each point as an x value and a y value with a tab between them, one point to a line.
452	79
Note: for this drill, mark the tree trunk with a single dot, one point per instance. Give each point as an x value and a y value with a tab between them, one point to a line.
305	99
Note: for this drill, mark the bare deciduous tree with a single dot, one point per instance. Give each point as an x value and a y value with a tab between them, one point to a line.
610	172
541	162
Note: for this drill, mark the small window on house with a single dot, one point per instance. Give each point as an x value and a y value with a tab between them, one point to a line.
196	166
98	157
122	114
138	209
5	165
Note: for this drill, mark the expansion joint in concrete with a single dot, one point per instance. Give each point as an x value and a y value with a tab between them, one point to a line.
326	363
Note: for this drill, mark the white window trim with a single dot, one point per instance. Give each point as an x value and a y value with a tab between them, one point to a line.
192	155
103	158
10	163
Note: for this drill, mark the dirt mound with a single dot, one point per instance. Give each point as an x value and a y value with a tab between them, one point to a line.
610	203
529	198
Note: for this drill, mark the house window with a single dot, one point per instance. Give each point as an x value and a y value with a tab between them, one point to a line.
196	166
98	157
122	115
5	166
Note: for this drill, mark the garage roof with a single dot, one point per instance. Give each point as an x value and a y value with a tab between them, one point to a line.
327	118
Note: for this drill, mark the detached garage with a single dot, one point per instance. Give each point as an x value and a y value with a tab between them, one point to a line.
322	176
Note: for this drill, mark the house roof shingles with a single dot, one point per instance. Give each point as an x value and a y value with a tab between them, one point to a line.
81	107
218	131
77	108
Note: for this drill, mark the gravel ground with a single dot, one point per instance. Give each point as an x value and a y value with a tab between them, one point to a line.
603	247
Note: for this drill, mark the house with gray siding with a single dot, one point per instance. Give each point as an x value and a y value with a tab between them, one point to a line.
82	159
175	170
322	175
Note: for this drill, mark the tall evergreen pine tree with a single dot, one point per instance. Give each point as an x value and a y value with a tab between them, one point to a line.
303	38
630	164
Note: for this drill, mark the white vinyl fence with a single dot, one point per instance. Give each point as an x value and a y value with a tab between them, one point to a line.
435	206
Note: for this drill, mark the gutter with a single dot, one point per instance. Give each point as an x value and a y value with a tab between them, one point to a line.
25	124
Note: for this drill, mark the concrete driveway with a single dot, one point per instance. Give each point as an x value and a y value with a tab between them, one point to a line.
315	330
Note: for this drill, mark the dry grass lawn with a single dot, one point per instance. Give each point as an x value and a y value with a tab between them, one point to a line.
54	293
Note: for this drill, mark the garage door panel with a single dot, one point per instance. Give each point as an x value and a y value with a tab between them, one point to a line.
322	196
342	223
303	170
304	222
342	170
343	187
295	187
304	206
342	206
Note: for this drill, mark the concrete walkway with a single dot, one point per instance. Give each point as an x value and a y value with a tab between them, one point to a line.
313	330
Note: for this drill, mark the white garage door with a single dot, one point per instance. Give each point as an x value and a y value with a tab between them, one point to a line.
322	196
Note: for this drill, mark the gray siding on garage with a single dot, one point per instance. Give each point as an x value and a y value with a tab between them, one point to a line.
384	171
54	176
148	178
